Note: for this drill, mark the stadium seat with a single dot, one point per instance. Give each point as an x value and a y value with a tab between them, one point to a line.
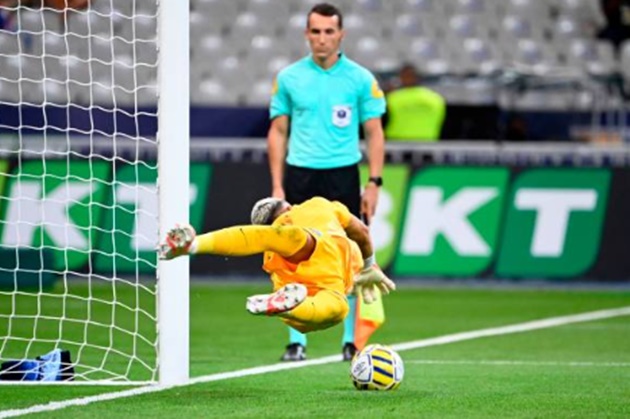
233	73
259	94
261	48
122	8
107	50
269	10
32	67
357	26
53	44
532	9
368	50
212	92
422	6
411	25
53	68
89	23
428	56
9	90
275	64
55	92
246	27
513	28
11	67
480	56
294	44
38	21
147	95
148	8
566	28
374	9
424	49
102	92
143	27
76	69
594	57
226	10
467	26
202	24
530	54
9	43
586	11
473	8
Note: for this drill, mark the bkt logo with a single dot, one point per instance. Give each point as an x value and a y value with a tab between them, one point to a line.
79	211
463	221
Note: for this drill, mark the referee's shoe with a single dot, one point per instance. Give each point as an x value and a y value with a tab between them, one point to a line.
294	352
348	351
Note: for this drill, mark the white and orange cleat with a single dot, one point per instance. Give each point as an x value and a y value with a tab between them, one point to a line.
281	301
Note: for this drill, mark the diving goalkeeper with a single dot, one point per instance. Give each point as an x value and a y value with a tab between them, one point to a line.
315	253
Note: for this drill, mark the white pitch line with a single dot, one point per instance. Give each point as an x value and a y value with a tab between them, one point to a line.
516	363
423	343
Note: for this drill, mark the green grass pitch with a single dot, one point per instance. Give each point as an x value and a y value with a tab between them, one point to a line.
579	370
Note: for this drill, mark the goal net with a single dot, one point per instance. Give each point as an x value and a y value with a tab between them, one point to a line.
83	142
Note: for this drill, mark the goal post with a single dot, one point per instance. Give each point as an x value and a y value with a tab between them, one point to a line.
173	186
94	168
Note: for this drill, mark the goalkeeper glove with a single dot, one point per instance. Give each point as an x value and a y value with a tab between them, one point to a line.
369	278
179	241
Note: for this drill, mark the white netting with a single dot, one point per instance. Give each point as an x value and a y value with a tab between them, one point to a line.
78	201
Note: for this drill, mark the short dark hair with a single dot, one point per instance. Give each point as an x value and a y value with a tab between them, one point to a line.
326	9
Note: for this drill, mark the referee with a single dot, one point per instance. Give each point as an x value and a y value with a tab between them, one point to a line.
317	105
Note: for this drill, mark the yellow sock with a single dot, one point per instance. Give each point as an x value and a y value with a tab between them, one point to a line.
252	239
321	311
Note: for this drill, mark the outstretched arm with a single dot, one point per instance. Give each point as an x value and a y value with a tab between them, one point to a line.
358	232
371	275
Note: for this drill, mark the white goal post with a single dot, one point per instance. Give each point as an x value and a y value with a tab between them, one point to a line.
94	168
173	184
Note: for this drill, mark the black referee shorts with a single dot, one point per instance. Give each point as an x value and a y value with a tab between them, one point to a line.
339	184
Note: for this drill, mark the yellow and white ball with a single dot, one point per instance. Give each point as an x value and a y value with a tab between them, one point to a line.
377	367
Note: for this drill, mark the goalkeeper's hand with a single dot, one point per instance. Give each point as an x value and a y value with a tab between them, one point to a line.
366	281
178	242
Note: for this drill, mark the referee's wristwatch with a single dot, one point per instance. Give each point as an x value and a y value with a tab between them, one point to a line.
377	180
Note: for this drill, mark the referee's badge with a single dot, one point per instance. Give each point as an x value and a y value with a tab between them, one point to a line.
341	115
377	92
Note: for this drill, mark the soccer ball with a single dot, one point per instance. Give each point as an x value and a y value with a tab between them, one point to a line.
377	367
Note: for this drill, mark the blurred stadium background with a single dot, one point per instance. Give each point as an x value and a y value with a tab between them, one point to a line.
489	58
78	87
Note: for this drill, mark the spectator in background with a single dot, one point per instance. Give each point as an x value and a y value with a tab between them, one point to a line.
617	29
316	108
414	112
8	16
8	21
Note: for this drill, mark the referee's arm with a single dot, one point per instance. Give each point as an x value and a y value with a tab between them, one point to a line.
373	129
277	139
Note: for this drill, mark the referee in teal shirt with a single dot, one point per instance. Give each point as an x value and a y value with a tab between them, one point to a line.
316	108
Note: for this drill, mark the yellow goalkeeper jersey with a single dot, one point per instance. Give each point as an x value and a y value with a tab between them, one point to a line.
336	258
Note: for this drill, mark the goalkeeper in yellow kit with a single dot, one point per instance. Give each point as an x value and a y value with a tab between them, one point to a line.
315	253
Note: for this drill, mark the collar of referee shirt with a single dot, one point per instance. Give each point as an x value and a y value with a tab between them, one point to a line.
334	68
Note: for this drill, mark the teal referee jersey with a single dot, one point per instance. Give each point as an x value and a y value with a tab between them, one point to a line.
325	108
